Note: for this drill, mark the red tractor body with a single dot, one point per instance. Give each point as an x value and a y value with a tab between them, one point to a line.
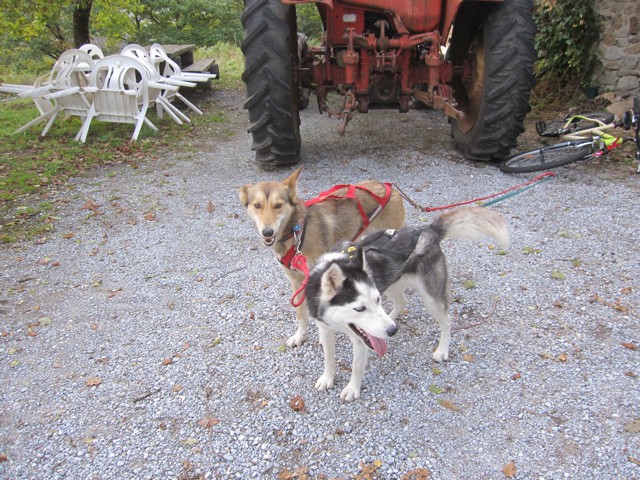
453	55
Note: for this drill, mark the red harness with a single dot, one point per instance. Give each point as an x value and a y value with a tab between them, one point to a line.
294	259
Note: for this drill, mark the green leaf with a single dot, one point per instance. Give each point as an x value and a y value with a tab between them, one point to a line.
435	389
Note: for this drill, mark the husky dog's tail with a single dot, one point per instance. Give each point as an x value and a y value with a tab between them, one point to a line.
472	223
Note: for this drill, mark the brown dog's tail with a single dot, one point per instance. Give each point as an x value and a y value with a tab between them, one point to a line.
472	223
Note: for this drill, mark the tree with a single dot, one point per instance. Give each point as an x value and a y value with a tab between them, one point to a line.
81	23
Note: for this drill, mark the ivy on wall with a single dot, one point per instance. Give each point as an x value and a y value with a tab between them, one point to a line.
567	41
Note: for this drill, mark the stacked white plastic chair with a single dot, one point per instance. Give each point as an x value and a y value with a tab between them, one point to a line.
42	104
164	85
120	87
170	69
64	89
94	51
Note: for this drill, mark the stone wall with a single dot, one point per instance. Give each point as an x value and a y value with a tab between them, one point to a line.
619	47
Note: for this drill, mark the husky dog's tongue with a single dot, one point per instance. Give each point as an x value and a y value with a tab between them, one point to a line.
379	345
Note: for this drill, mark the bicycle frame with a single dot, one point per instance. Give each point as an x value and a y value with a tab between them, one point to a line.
603	141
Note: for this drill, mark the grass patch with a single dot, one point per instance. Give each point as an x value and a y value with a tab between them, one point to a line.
32	167
230	61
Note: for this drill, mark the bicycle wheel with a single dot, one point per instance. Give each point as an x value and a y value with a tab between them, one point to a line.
547	157
556	128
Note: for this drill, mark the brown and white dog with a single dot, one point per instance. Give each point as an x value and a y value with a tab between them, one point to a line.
277	210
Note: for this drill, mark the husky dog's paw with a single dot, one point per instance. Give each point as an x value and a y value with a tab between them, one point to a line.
440	355
325	382
296	340
349	393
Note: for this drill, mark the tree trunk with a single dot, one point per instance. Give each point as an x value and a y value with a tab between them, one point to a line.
81	20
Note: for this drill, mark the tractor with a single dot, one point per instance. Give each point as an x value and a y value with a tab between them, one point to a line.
472	59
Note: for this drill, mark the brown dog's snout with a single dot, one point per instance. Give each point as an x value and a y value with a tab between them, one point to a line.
267	232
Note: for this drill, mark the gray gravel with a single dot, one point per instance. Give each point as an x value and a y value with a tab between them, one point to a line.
181	321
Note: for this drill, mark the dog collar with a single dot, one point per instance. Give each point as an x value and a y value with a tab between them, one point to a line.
297	234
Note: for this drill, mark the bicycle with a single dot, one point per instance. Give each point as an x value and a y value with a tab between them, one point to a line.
584	137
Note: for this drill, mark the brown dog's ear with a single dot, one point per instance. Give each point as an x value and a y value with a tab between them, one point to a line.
331	282
292	180
244	194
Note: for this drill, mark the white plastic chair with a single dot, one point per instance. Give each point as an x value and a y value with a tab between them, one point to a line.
157	95
94	51
120	87
43	105
63	90
170	69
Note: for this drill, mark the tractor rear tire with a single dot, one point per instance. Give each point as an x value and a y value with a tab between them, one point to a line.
270	48
498	55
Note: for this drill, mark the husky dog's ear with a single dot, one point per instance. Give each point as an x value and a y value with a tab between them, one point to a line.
331	282
244	194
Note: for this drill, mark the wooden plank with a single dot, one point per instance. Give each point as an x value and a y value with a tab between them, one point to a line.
201	66
174	51
204	65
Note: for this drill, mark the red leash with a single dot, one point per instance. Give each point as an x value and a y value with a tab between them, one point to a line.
295	260
542	176
299	262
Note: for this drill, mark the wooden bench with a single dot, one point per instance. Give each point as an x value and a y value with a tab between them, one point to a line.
204	65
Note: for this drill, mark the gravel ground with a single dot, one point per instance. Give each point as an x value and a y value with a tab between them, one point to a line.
144	339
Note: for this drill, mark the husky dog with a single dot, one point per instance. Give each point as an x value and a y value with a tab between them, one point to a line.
281	218
342	292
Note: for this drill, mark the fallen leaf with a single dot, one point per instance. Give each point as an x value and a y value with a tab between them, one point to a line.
417	474
149	216
93	381
3	458
297	403
208	422
629	345
91	205
297	474
113	293
68	235
509	470
167	361
210	207
189	441
467	358
626	290
14	363
449	404
435	389
516	376
631	374
177	388
633	426
562	357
